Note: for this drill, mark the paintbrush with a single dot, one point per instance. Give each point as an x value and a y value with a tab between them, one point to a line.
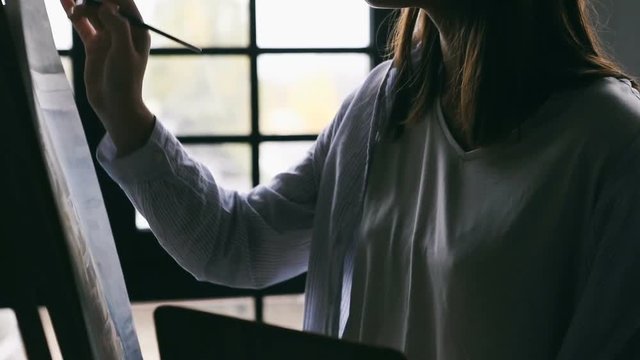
135	21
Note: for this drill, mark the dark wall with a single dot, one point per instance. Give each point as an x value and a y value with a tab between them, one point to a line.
620	25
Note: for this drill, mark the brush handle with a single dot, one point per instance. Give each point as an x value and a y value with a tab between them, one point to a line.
135	21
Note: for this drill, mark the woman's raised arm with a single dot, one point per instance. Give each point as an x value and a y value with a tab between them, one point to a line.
116	59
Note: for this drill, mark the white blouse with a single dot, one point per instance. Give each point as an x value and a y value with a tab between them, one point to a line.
484	254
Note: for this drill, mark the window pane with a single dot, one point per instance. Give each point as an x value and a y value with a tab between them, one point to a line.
68	68
60	25
230	165
10	340
300	93
243	308
328	23
286	311
204	95
205	23
276	157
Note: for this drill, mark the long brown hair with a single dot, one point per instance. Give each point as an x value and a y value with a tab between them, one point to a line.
514	53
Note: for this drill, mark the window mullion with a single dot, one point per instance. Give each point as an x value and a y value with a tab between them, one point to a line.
255	123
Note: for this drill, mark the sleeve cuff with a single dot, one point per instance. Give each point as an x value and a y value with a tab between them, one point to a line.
149	162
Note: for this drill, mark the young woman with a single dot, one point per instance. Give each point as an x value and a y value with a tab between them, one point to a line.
475	198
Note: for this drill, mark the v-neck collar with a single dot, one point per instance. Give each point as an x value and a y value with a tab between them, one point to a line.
459	150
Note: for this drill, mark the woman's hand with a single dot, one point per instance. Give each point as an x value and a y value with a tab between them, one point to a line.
116	59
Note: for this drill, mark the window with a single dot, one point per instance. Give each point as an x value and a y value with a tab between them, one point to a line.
284	311
255	101
271	77
11	346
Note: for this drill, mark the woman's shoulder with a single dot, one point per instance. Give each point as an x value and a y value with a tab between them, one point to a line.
613	106
374	82
612	102
607	110
606	115
357	108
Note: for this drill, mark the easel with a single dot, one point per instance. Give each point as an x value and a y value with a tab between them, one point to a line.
56	249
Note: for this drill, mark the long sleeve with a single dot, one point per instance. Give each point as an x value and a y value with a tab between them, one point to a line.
606	322
248	240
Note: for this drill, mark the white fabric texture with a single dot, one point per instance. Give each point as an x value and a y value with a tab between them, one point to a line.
308	218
